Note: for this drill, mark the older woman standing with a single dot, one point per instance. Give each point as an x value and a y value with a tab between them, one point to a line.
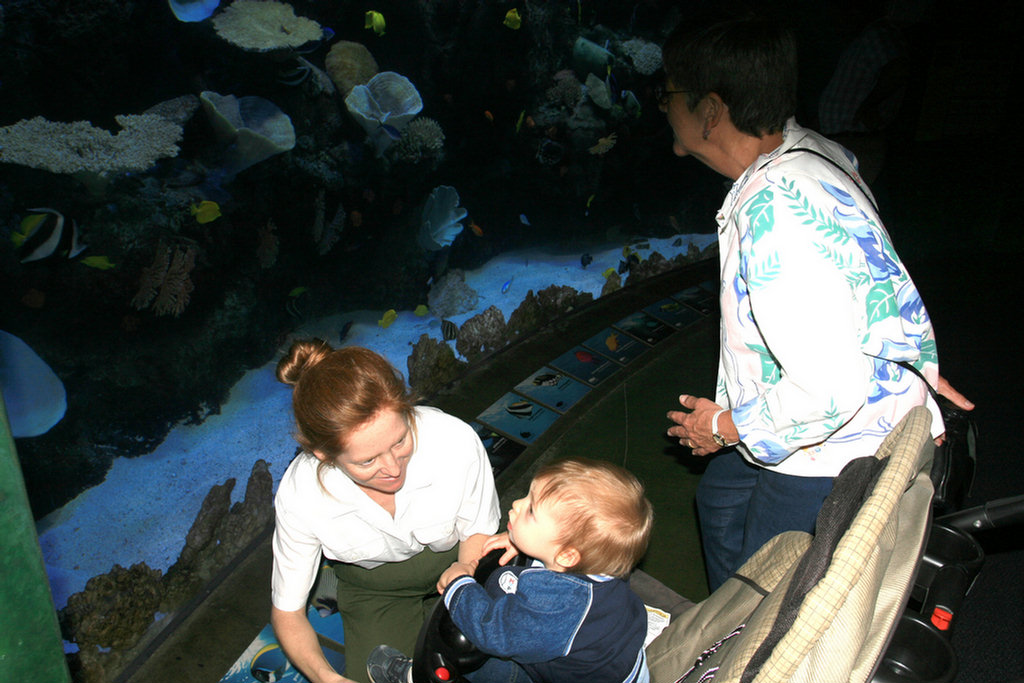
396	494
817	308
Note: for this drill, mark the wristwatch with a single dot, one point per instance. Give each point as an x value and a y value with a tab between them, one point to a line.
719	439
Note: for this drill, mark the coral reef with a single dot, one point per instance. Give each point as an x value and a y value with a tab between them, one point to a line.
612	283
114	612
384	106
482	334
550	303
263	25
218	533
325	234
589	57
349	64
450	295
177	110
598	92
441	219
422	141
645	56
566	91
81	147
115	609
432	365
167	283
254	128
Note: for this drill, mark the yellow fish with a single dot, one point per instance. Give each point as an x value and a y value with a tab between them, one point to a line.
390	316
375	20
421	310
297	292
612	342
519	123
28	225
100	262
206	211
512	19
608	272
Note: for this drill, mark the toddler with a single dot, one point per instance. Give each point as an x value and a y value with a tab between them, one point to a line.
569	615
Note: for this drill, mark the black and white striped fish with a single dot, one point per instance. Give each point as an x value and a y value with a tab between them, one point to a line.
47	233
449	330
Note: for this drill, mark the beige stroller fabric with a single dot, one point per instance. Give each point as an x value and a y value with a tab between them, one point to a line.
844	623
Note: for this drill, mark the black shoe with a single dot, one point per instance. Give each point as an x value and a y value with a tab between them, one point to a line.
388	665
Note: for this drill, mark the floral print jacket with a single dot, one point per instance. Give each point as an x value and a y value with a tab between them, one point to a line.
817	309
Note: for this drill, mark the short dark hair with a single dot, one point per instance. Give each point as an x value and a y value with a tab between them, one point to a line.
751	64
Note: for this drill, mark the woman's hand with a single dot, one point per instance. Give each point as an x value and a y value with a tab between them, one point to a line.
945	389
501	541
301	646
694	425
959	400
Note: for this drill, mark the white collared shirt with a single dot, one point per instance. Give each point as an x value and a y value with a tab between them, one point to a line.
448	496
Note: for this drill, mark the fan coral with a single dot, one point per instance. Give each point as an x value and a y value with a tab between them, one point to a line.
79	146
646	57
388	99
263	25
256	128
422	140
168	280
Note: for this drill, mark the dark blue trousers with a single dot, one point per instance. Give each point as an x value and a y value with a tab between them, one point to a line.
741	506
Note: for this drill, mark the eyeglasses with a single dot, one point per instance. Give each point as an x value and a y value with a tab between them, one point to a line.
662	94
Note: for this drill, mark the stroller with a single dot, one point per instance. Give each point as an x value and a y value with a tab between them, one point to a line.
872	596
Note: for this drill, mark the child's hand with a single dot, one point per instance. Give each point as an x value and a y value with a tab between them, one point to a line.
501	541
453	572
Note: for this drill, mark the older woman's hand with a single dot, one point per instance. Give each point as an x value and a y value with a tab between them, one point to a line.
959	400
945	389
694	425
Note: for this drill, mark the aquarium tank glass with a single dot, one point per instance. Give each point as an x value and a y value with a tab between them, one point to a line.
188	186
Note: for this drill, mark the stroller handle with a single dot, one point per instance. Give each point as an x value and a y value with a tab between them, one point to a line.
991	515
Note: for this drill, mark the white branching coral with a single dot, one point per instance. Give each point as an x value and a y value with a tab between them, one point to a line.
79	146
646	57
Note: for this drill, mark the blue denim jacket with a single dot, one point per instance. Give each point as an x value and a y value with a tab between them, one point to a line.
558	627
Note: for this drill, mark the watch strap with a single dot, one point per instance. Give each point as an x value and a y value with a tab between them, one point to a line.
715	434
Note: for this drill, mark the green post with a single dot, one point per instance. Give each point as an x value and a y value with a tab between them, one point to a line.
30	640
